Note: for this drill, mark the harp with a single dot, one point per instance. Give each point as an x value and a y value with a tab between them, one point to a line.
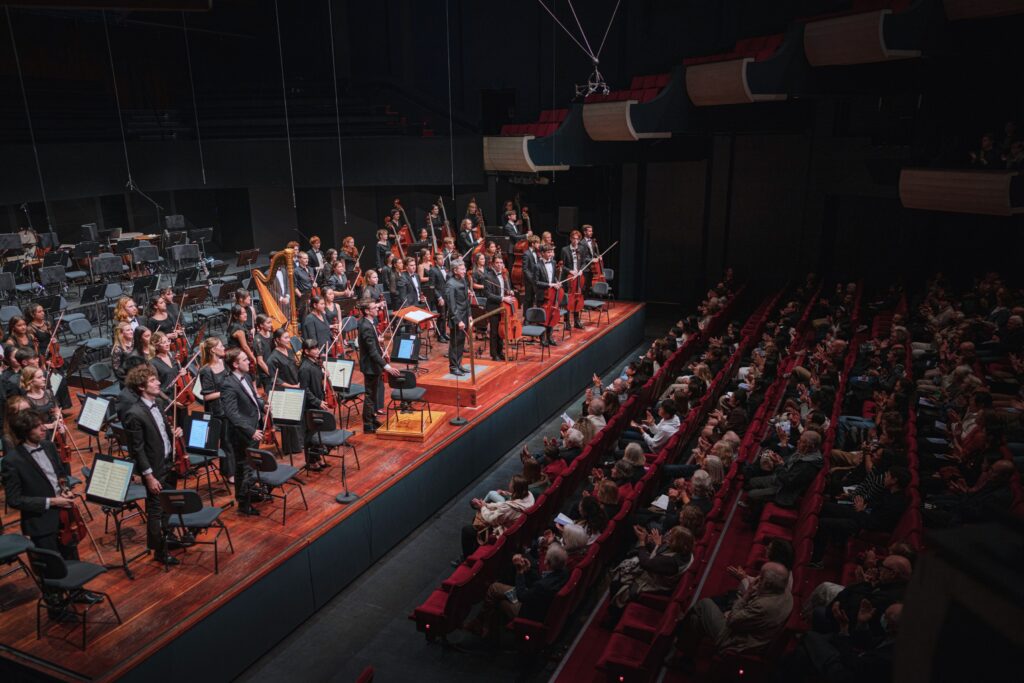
277	290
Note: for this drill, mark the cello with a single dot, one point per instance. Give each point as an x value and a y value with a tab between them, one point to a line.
511	328
404	232
575	294
551	304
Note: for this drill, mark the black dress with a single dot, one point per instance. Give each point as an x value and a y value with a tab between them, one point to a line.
168	374
234	327
262	347
166	325
311	379
212	383
287	373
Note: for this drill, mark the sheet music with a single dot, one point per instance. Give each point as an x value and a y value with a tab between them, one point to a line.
287	404
339	373
55	381
93	413
110	479
418	316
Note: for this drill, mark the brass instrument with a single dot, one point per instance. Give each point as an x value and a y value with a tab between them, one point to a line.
282	312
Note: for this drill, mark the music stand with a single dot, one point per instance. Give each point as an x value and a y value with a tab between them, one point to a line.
10	241
107	486
125	246
176	238
49	239
110	265
202	438
52	275
144	285
89	232
94	294
184	256
200	236
50	303
247	259
174	222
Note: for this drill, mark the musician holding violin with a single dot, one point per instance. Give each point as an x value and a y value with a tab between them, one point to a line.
263	345
151	445
373	362
466	241
311	380
35	484
497	292
212	373
159	319
240	331
337	280
315	325
167	367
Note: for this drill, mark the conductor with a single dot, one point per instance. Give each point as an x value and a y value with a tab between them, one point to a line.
456	293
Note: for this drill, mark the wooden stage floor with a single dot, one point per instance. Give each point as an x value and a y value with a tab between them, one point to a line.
159	606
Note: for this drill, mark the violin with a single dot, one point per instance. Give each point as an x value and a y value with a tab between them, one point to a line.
184	396
179	345
72	524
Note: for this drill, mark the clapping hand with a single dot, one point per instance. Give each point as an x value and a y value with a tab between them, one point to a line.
476	503
858	503
736	572
654	536
641	533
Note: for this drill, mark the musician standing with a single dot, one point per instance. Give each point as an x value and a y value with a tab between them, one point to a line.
311	379
303	281
497	291
589	246
435	222
151	446
316	257
511	228
315	326
244	413
32	473
466	241
409	293
531	260
574	256
372	363
546	279
283	365
456	294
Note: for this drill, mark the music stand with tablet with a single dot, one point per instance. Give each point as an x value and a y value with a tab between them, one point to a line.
107	486
202	439
406	348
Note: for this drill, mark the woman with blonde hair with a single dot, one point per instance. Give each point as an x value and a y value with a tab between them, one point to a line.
124	342
713	466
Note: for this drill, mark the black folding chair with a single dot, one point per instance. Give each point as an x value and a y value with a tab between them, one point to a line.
188	514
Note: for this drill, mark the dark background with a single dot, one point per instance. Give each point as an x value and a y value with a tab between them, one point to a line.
773	190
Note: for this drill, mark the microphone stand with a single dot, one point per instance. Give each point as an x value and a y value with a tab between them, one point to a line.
458	420
132	187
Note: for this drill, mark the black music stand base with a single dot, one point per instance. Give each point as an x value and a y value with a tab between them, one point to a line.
346	498
458	421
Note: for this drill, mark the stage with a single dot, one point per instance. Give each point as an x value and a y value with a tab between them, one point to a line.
185	623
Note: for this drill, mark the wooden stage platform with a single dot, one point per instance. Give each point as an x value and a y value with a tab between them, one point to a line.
189	622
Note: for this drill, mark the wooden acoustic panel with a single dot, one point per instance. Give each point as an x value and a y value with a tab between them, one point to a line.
976	9
720	83
609	121
852	39
979	192
508	153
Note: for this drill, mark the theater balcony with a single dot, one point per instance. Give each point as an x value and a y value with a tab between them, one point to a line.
870	32
652	107
992	193
760	69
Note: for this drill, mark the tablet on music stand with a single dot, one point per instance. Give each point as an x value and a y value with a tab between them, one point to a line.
92	415
109	482
287	405
339	373
406	348
202	434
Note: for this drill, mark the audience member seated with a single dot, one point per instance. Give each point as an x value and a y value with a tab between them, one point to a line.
884	590
529	598
790	477
656	568
492	518
879	511
755	620
651	435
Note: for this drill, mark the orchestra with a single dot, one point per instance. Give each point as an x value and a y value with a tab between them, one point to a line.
511	269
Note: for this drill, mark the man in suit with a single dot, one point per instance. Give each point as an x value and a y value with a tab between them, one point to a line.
456	294
497	291
574	256
510	228
244	414
547	278
588	245
151	446
409	293
303	282
531	259
372	363
316	257
32	474
466	241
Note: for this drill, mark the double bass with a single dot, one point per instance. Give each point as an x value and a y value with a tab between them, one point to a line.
404	232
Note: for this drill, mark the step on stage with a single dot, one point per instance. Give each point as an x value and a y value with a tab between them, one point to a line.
190	622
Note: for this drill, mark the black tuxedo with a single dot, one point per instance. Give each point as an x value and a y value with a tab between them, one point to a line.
243	418
316	259
493	300
456	297
146	447
371	364
566	256
27	487
408	294
511	230
530	263
465	242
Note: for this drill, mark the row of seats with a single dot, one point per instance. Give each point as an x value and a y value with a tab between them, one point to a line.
646	629
643	89
447	608
550	120
758	48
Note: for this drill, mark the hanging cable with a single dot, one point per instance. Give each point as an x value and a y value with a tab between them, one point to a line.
28	117
567	31
117	101
608	29
590	50
284	93
337	114
451	135
195	104
554	89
